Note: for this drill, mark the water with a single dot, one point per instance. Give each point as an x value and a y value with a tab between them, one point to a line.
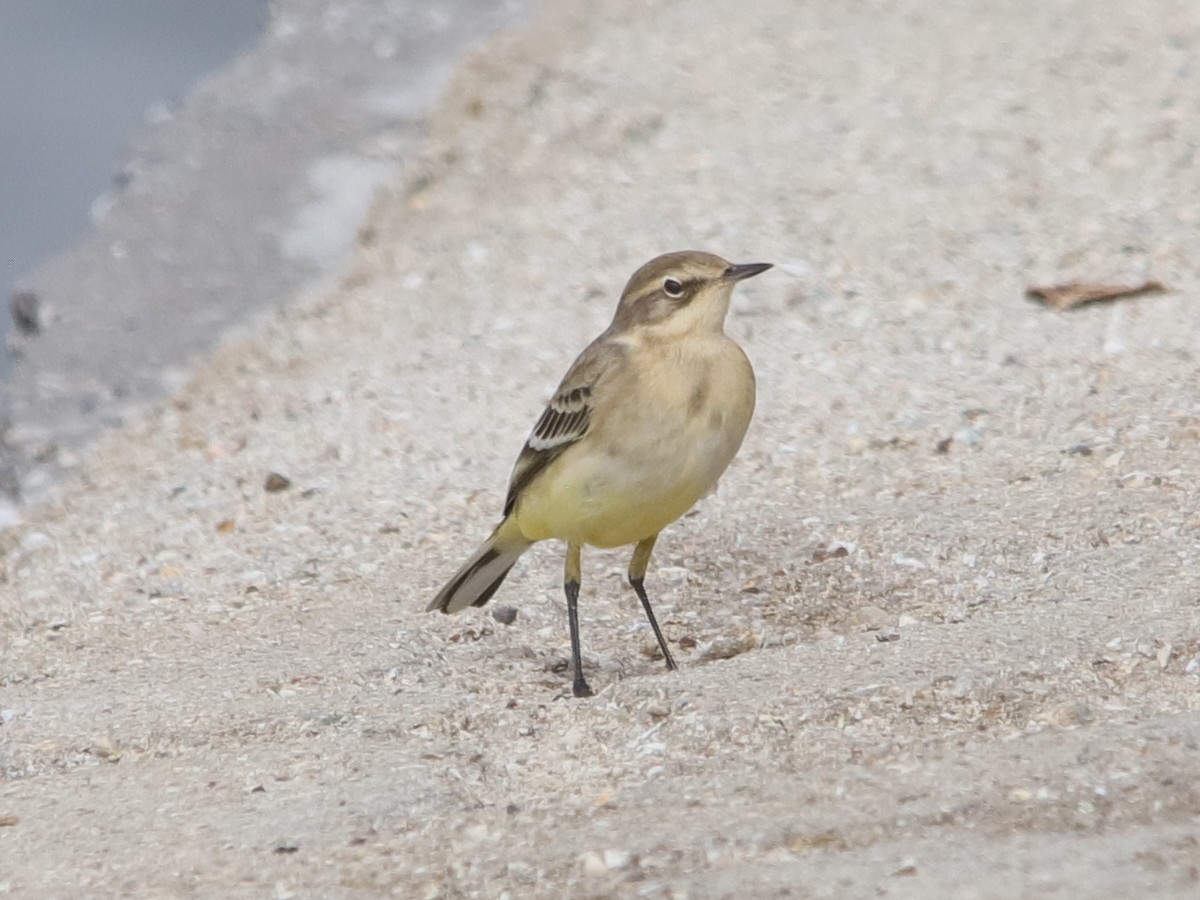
77	78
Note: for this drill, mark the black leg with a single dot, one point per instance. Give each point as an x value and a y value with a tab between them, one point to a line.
662	642
637	577
580	687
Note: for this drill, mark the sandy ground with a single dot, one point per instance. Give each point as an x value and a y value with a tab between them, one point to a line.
959	548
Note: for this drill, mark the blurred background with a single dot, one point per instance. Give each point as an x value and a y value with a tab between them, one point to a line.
161	184
77	80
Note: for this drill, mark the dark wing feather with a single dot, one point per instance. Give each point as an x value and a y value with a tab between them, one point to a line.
564	421
566	418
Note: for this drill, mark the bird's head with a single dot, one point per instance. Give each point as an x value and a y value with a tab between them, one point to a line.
685	292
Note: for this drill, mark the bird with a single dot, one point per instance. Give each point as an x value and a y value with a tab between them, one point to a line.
641	427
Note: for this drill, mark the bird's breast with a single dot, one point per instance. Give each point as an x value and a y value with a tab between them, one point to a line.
657	444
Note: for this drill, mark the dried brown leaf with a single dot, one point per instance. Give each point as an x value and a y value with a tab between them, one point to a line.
1076	293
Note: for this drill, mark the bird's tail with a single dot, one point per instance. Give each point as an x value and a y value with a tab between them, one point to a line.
478	579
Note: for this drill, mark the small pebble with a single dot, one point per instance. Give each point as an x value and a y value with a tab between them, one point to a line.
1138	480
593	864
106	748
616	859
276	483
26	312
1164	655
835	550
505	615
727	647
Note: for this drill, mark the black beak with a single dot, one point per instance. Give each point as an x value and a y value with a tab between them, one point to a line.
745	270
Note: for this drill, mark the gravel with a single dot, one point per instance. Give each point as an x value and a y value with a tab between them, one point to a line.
992	692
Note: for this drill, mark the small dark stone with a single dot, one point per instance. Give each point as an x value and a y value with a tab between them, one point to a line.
1080	450
505	615
276	483
834	551
943	446
26	312
287	848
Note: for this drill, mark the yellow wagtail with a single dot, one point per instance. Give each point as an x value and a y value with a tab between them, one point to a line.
642	426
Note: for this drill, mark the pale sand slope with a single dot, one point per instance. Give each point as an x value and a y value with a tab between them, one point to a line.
183	698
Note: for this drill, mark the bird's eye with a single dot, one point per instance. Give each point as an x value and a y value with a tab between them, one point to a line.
673	288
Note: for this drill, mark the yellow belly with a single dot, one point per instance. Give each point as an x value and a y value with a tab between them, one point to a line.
649	461
607	504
